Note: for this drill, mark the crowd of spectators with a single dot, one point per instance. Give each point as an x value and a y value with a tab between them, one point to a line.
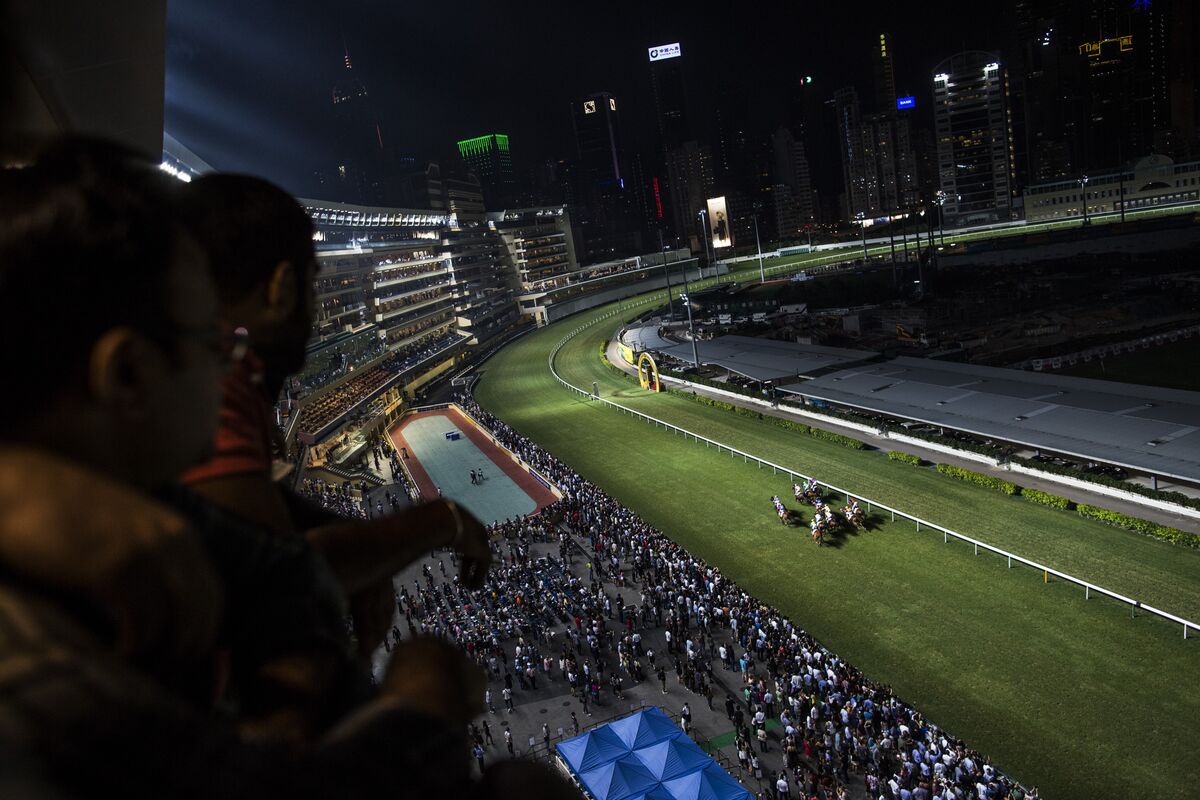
389	306
332	405
837	726
336	497
331	366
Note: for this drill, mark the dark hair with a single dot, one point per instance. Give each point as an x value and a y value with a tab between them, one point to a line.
86	234
247	226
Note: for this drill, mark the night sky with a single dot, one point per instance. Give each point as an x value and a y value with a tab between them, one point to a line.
248	83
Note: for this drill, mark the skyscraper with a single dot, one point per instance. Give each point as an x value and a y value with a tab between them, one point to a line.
597	126
605	203
358	139
878	168
885	75
670	95
1050	87
690	167
791	170
974	138
671	123
490	159
1125	49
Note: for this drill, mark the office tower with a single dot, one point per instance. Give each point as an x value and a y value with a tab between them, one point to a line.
358	139
974	138
490	158
691	181
885	75
791	170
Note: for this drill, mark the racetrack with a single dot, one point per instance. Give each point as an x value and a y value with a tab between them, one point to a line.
1067	694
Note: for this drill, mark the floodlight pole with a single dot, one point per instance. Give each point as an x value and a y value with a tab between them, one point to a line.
862	224
762	275
667	273
691	331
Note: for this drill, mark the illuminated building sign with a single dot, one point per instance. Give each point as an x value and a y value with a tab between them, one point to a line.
612	104
589	107
664	51
1092	49
657	199
906	102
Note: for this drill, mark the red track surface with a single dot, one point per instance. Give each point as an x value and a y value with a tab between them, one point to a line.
526	482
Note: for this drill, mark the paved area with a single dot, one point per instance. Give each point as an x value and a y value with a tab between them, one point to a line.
552	704
505	491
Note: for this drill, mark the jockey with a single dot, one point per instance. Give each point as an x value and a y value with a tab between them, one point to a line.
828	514
854	506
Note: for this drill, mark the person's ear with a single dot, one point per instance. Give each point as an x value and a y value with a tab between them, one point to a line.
120	367
282	290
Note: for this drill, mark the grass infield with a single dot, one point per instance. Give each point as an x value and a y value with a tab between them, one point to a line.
1067	694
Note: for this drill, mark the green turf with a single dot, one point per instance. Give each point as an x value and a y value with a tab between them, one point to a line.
1068	694
1156	366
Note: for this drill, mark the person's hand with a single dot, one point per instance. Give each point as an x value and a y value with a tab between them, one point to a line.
434	678
372	610
471	542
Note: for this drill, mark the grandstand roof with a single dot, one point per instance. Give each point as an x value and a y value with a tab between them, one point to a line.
767	359
1142	428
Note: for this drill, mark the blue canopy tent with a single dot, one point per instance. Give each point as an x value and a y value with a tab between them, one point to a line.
646	727
618	780
646	757
592	749
709	783
672	758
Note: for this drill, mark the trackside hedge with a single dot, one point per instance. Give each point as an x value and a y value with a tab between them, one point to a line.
907	458
1143	526
1046	499
979	479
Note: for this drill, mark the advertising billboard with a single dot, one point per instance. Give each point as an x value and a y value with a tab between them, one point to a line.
664	51
719	226
906	102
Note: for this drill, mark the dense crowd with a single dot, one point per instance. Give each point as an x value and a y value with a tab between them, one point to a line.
335	365
334	404
834	721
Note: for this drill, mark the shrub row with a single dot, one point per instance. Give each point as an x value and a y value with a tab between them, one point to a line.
1046	499
1105	480
1172	535
907	458
979	479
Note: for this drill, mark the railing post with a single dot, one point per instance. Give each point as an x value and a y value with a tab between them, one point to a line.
977	548
1087	594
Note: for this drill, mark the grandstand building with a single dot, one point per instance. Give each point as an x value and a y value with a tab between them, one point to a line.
1152	182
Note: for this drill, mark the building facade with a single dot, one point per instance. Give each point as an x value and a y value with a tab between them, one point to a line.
1151	182
974	138
490	159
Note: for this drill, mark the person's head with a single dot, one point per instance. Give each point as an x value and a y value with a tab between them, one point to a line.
259	245
110	320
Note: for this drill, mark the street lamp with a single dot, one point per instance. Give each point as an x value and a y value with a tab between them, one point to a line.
691	330
703	216
762	275
941	201
666	273
862	223
1083	189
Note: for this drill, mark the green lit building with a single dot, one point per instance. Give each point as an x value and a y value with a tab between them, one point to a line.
490	158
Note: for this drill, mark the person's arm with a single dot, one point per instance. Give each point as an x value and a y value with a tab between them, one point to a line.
361	554
251	497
